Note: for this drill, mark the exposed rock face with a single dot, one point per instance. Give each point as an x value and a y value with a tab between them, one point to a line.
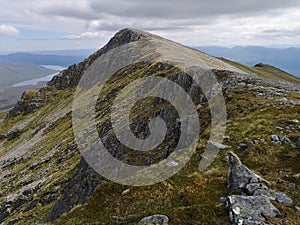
77	191
253	207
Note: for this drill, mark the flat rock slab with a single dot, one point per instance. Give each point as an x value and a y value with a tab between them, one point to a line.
251	210
155	220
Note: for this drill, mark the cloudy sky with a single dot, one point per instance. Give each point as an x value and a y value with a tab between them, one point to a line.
69	24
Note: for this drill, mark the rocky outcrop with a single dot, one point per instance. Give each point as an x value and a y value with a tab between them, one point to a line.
77	190
250	198
240	177
280	140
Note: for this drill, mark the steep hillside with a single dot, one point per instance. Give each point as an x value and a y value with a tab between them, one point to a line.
45	179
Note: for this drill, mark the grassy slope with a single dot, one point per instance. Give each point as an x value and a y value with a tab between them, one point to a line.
265	71
190	197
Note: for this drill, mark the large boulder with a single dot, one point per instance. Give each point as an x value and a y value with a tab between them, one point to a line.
240	176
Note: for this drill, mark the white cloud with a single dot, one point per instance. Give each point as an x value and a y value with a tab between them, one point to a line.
85	35
7	30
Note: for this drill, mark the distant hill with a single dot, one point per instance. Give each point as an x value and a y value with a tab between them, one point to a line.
67	52
60	60
11	72
265	71
286	59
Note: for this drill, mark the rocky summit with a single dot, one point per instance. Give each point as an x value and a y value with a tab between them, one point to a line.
46	180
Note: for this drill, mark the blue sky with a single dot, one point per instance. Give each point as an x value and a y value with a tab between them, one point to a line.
27	25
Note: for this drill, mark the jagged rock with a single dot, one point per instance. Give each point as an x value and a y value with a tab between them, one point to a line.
155	220
239	175
250	210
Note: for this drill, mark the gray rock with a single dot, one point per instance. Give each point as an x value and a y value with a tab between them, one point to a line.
249	210
297	208
252	187
256	142
250	143
296	176
282	138
298	142
239	175
274	138
242	146
280	197
155	220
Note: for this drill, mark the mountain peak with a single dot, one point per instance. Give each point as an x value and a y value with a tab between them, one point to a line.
126	36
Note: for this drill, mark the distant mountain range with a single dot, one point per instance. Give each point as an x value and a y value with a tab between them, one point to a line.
286	59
